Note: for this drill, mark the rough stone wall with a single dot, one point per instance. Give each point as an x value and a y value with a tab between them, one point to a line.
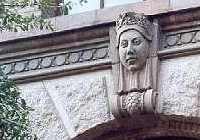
66	81
179	76
67	106
179	86
44	120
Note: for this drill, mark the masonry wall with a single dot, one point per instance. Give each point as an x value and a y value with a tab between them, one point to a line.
67	106
66	76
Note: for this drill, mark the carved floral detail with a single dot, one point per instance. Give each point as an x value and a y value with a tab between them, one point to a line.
134	102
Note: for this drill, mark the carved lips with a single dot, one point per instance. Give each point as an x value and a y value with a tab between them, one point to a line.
131	60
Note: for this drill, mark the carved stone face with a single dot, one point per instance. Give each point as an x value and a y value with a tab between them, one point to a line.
133	50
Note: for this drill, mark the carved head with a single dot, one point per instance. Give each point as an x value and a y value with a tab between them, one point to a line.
133	36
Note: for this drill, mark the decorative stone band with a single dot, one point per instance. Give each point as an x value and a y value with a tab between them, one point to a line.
135	103
50	61
178	39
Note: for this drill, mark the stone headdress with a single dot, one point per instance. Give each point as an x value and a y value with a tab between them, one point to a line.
133	21
139	22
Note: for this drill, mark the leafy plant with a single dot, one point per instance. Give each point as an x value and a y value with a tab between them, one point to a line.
13	19
13	109
13	112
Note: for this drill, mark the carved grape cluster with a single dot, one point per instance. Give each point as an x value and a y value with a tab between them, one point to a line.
134	103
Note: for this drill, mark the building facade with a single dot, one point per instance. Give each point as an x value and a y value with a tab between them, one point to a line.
81	88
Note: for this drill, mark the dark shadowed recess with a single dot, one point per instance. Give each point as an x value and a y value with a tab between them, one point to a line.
171	138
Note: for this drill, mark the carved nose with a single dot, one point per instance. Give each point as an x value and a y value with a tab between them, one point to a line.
131	51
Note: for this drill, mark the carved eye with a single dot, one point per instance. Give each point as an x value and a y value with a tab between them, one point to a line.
137	41
124	43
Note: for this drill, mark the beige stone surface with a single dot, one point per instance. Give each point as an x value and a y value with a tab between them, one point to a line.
184	3
179	86
44	120
66	106
83	98
92	18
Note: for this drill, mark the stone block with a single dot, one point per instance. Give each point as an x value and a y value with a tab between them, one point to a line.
184	3
179	86
44	120
82	98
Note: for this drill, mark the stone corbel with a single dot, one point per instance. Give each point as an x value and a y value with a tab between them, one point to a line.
134	66
136	103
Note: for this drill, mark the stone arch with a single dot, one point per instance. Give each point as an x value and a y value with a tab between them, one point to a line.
171	138
146	127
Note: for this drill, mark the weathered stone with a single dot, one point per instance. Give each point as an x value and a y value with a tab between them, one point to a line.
91	18
197	36
60	60
33	64
101	53
172	40
19	66
186	37
87	55
46	62
184	3
7	68
83	97
180	39
77	103
74	57
134	93
44	121
179	86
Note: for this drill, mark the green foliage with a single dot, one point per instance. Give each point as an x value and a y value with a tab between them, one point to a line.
13	112
13	109
68	5
13	19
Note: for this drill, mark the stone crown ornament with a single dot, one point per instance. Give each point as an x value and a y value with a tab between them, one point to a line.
135	21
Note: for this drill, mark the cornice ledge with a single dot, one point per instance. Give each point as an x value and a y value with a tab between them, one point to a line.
179	51
180	19
98	18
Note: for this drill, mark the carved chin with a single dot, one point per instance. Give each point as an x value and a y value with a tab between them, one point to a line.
133	67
